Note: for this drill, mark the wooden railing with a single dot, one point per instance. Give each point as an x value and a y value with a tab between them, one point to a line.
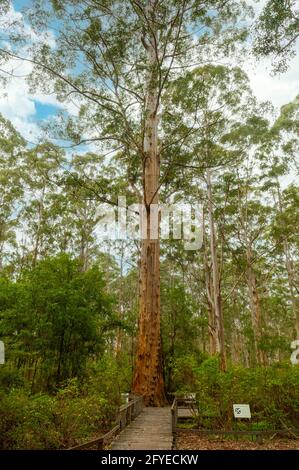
129	411
126	413
174	415
97	443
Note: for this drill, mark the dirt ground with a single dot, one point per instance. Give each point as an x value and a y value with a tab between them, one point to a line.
191	441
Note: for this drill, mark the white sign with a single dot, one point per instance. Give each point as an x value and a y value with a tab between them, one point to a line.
242	411
295	354
2	353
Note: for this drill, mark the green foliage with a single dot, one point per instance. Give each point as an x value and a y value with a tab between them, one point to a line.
277	31
42	421
53	318
185	372
181	327
272	393
10	378
111	375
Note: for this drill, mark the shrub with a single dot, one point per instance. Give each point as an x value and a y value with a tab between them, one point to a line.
42	421
272	392
10	378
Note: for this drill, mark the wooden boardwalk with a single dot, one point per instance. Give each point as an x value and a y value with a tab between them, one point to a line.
185	413
151	430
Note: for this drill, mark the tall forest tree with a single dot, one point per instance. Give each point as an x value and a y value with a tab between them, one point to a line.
115	60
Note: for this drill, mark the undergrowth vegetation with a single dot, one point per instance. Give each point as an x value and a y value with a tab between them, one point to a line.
77	411
271	391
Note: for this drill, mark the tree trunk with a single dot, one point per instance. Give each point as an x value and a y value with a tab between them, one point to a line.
148	377
216	279
290	271
254	300
211	308
254	306
84	231
119	332
37	242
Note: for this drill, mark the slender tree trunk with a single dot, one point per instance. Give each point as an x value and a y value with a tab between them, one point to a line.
1	253
119	335
290	271
254	300
60	358
84	240
291	279
37	242
216	279
254	306
213	339
148	377
236	347
171	354
34	375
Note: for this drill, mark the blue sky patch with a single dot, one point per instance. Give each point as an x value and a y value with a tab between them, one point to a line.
43	111
19	4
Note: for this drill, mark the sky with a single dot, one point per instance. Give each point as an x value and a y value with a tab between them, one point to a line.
27	111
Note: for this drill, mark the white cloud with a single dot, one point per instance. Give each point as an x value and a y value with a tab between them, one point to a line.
17	105
279	89
16	102
257	5
14	19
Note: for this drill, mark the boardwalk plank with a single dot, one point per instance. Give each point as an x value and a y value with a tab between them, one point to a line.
151	430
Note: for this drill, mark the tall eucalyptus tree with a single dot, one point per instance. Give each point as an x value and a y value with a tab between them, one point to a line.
113	60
